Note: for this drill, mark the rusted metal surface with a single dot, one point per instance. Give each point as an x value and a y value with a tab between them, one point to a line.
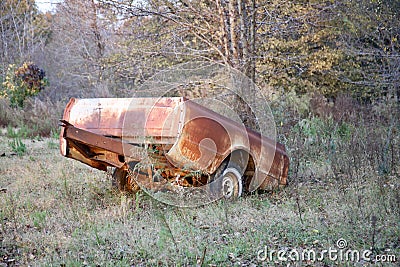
208	138
93	147
133	117
179	135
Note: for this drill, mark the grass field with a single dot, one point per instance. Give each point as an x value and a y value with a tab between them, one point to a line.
344	185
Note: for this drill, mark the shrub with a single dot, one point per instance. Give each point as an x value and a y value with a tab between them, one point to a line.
23	82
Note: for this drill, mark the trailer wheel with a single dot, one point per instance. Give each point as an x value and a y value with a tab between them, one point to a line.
231	183
228	184
122	181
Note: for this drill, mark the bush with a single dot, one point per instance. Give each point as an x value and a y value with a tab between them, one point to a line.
22	83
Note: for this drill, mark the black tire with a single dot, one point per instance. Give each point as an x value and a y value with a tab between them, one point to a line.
231	183
227	183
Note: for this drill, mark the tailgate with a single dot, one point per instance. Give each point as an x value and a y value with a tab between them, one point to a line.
133	120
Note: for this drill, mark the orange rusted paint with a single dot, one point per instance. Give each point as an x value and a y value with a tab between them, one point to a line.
185	137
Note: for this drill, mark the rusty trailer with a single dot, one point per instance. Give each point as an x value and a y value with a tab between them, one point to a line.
153	142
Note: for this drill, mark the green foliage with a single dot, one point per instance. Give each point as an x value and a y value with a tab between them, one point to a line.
39	219
298	55
22	83
299	103
52	145
344	131
351	47
55	133
312	128
21	132
316	129
370	40
17	146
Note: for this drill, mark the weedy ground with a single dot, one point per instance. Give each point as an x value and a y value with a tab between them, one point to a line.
344	184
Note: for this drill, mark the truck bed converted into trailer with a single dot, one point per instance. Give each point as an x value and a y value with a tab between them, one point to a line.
153	142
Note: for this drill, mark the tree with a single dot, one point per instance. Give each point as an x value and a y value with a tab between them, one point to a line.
303	46
371	36
22	32
298	50
80	32
217	30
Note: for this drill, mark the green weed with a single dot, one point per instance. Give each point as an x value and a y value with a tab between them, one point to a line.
51	144
21	132
17	146
39	218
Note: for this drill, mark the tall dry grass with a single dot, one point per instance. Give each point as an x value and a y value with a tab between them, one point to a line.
39	116
345	183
